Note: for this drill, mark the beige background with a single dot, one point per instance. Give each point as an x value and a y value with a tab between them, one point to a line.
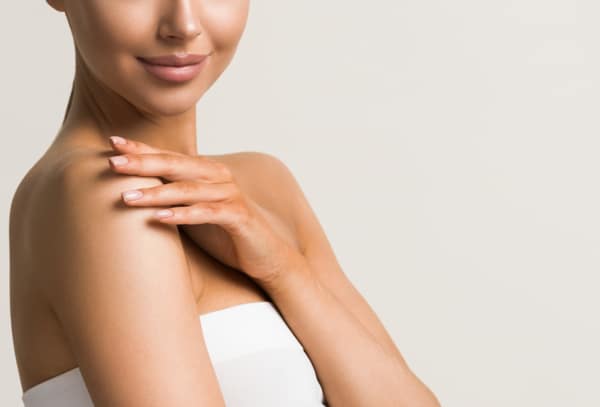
450	150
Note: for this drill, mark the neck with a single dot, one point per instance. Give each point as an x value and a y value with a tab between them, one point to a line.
95	112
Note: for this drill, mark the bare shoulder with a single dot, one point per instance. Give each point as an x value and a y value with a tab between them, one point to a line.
76	189
82	206
119	283
261	164
266	177
270	182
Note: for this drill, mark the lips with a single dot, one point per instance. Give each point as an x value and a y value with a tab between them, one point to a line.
175	59
174	67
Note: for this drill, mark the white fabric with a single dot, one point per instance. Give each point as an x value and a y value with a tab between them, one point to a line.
258	361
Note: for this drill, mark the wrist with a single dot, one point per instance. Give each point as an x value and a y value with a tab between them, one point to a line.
288	280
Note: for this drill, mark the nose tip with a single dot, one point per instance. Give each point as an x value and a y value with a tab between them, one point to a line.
180	23
176	31
182	34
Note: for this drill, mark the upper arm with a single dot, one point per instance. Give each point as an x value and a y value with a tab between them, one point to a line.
120	287
320	255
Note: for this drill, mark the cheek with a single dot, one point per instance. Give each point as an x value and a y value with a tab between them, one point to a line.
107	39
109	35
225	21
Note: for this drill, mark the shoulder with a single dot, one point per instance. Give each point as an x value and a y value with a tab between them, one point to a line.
82	214
271	183
90	172
114	275
262	164
265	176
82	188
87	190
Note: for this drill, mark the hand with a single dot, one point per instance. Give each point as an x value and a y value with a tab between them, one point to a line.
210	199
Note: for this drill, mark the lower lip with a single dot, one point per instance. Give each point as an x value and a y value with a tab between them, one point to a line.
174	73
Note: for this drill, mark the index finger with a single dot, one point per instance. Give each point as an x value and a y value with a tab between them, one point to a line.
128	145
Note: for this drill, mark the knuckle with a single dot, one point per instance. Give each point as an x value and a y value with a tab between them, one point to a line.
240	211
138	162
223	169
214	208
188	187
171	159
161	191
199	210
235	192
243	216
170	163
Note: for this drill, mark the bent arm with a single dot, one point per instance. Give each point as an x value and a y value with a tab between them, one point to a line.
356	359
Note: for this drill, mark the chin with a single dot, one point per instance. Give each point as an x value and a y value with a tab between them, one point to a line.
154	97
171	102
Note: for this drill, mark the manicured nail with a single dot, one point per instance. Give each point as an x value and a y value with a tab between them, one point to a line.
118	160
118	140
164	213
132	195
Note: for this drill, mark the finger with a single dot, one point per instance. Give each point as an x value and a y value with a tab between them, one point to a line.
127	145
180	193
171	166
229	215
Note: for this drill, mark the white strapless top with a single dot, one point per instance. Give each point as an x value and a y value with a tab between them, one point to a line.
258	361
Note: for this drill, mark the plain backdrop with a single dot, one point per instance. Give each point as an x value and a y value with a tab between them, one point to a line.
450	150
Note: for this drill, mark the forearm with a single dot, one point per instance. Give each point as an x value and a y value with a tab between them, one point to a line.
352	367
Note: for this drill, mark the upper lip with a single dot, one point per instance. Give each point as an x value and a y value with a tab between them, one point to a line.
175	59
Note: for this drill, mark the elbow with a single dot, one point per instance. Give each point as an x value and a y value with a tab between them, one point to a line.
425	398
431	400
412	392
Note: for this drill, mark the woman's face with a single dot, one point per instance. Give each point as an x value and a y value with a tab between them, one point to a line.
110	35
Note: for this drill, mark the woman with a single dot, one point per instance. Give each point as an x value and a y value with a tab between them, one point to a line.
242	304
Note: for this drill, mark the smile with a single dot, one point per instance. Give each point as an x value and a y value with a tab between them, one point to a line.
172	68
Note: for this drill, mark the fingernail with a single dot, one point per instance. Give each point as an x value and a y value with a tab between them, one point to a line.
118	160
118	140
132	195
164	213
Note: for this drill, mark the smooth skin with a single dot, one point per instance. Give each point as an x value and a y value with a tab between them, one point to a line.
307	284
120	287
